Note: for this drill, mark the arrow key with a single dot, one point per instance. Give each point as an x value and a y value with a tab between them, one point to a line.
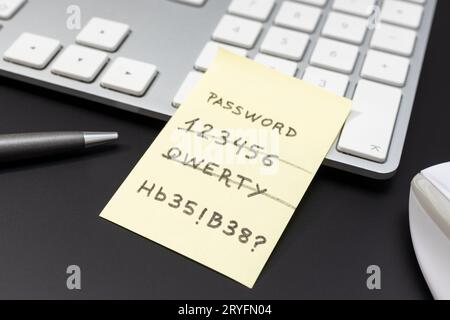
103	34
129	76
80	63
32	50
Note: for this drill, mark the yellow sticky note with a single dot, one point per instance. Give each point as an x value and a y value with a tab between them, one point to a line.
221	181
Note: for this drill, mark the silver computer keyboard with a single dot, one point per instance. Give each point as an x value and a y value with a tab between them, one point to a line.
144	56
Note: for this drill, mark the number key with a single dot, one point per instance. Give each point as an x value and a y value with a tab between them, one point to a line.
253	9
298	16
237	31
285	43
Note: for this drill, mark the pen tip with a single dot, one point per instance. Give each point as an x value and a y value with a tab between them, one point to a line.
96	138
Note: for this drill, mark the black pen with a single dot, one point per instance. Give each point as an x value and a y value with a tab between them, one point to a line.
21	146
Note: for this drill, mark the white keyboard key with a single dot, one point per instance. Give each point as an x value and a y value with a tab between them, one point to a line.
328	80
289	68
418	1
335	55
385	67
253	9
209	52
345	27
298	16
186	87
9	7
319	3
362	8
368	130
393	39
80	63
193	2
402	13
237	31
32	50
285	43
129	76
103	34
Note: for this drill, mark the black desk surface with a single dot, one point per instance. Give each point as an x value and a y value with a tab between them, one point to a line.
49	211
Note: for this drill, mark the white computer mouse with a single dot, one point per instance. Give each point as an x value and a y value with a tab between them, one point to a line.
429	220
